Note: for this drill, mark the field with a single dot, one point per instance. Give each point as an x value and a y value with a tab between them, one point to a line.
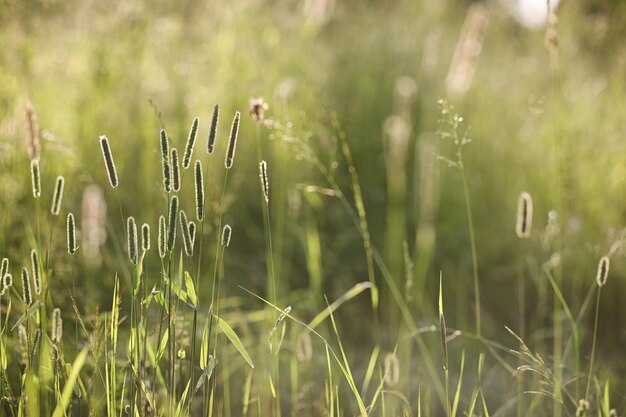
312	208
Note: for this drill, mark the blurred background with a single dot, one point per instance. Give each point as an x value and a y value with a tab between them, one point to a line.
542	97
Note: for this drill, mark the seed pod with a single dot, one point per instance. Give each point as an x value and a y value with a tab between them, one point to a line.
184	226
171	227
35	175
57	326
108	161
191	141
603	271
213	129
145	237
131	227
162	241
34	259
165	160
199	181
192	232
28	296
4	268
71	234
175	170
524	215
265	184
232	141
226	232
57	197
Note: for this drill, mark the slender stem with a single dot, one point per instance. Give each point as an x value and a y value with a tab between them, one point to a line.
470	222
593	344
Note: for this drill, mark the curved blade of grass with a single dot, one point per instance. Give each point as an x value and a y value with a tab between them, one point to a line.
66	396
234	339
347	296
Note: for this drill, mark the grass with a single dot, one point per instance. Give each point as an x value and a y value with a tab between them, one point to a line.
306	282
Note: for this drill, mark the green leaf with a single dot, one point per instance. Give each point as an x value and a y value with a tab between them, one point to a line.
204	347
191	290
32	310
234	339
162	346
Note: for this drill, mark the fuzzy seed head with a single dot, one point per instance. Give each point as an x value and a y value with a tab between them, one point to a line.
108	161
34	147
34	260
57	326
524	215
191	141
199	182
265	184
57	197
4	267
145	237
7	281
36	341
192	232
232	141
162	238
603	270
226	232
26	291
165	160
35	175
71	234
213	129
171	227
184	226
175	170
131	228
23	339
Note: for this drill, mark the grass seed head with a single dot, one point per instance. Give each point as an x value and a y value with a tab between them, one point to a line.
7	281
257	108
145	237
131	227
232	141
34	259
71	234
524	215
4	267
175	170
108	161
265	184
603	270
171	227
192	232
392	369
26	291
226	232
57	326
23	339
199	183
213	129
57	197
191	141
35	175
165	160
184	226
162	238
34	147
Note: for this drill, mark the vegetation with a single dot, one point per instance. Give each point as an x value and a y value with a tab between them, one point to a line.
311	208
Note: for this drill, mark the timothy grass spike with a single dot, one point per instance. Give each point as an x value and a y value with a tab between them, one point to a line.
34	260
131	226
265	184
108	161
7	281
226	232
232	141
26	291
213	129
603	271
175	170
171	227
57	326
4	267
184	226
524	215
57	197
191	141
162	238
35	174
199	182
145	237
192	232
165	160
71	234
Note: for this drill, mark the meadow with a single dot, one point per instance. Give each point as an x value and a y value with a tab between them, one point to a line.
312	208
